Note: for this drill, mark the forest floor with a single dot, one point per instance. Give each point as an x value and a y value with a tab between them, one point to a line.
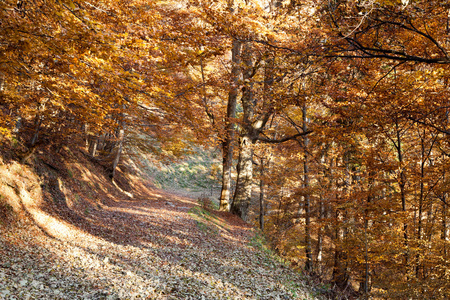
80	237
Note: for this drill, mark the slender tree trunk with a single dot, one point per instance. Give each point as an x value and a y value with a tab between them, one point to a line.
402	185
307	200
36	132
320	234
101	143
117	146
2	82
445	230
118	153
421	199
366	256
227	145
93	143
18	125
323	212
86	135
227	160
340	275
366	284
261	196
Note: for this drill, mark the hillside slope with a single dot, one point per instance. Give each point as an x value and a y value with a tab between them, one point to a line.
77	236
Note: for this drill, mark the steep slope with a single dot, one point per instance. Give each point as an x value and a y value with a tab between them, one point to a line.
78	236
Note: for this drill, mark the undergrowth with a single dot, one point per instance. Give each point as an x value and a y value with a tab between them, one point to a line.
204	216
198	171
259	242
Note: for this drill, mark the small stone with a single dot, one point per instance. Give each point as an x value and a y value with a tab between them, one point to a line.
23	282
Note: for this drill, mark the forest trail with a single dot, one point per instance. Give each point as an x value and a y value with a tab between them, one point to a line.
159	246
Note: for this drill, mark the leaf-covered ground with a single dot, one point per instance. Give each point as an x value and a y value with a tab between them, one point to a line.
153	246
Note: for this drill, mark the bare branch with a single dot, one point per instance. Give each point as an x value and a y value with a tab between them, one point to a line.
282	140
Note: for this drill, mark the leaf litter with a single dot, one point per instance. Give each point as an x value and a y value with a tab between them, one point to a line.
142	249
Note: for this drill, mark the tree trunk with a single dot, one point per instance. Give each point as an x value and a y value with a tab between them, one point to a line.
118	153
250	128
402	185
93	143
323	212
445	230
244	185
421	200
18	125
36	132
117	145
307	200
261	197
2	82
320	235
227	145
340	274
226	175
365	285
86	135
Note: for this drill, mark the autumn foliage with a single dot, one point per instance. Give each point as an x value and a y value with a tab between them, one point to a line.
334	113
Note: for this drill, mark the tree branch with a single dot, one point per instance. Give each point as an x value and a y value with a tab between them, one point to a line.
282	140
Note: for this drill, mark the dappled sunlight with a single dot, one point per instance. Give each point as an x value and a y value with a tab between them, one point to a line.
179	259
89	238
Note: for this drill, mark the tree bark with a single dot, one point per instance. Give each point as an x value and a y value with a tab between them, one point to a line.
365	285
445	230
244	185
227	145
93	142
320	235
36	132
118	153
340	274
18	125
307	200
421	200
261	196
402	185
117	146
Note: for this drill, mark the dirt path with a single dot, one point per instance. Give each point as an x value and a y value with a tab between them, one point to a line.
161	246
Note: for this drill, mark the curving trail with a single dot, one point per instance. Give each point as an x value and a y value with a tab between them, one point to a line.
157	246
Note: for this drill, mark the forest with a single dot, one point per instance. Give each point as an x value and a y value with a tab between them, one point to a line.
330	116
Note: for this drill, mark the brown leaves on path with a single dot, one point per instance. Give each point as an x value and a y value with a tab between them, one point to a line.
156	245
